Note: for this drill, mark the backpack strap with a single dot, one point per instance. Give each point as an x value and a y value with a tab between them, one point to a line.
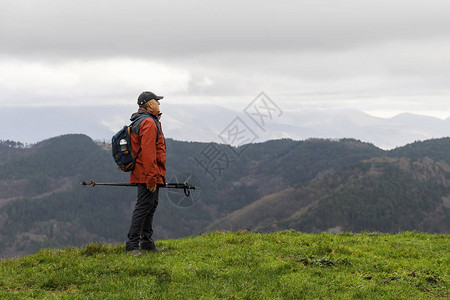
158	129
158	126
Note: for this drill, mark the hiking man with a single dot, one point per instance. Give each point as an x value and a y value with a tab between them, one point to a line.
148	145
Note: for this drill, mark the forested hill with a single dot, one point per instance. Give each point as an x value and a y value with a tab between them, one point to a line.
314	185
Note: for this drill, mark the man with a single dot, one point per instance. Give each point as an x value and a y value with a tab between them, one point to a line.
149	149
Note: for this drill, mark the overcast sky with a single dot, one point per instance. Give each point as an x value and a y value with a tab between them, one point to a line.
382	57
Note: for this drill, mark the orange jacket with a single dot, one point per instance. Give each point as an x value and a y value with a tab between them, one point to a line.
150	165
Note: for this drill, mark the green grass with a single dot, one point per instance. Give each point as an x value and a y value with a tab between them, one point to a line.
241	265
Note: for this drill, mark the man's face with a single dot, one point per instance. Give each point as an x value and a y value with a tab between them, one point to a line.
154	106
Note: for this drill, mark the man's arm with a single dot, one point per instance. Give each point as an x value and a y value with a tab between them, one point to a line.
148	153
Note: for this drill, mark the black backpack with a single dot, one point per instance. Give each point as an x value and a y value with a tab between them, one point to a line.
121	146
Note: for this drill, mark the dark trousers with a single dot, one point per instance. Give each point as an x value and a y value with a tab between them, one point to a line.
141	229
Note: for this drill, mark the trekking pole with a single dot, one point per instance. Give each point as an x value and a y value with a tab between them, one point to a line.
185	186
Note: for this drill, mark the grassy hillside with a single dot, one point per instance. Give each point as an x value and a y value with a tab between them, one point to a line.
283	265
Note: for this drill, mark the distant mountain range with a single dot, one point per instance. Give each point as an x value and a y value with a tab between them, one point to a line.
313	186
204	123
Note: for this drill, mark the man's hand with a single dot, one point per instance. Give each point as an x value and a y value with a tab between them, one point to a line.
152	189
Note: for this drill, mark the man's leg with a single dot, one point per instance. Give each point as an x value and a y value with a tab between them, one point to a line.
147	242
144	205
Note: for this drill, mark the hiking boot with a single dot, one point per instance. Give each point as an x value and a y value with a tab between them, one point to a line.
135	252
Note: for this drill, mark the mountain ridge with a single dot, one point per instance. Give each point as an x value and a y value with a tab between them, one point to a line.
283	210
310	185
204	123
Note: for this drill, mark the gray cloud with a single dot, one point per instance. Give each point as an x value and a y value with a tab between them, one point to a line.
179	28
371	55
